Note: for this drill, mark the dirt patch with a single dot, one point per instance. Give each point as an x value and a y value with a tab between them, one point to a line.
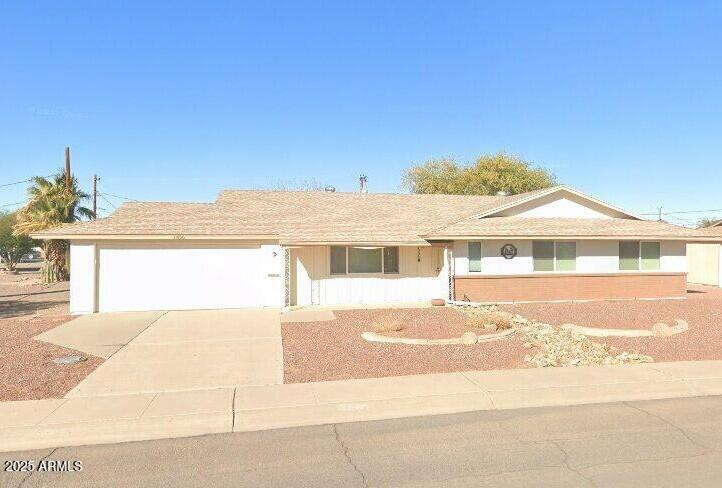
26	310
331	350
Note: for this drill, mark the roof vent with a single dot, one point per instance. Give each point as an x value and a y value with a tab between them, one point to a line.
502	193
330	189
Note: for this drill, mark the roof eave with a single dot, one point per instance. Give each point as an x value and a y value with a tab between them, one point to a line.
464	237
163	237
550	191
303	242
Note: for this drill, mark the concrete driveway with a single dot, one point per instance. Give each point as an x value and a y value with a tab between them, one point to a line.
189	350
101	335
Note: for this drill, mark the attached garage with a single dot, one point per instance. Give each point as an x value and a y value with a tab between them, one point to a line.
138	276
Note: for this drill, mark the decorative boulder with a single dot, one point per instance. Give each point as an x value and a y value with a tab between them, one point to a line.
468	338
661	329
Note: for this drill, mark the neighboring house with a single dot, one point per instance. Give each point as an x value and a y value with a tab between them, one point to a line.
281	248
704	259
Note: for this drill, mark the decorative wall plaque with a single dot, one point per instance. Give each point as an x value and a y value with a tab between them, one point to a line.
508	251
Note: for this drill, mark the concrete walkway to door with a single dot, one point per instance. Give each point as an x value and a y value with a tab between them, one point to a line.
192	350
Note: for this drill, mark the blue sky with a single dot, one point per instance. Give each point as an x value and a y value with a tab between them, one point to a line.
174	101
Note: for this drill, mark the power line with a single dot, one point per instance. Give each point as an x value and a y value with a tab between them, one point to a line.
12	204
695	211
15	183
684	212
118	196
29	180
103	197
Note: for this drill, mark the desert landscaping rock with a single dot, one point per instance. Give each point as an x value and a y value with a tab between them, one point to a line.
332	350
701	310
70	359
468	338
558	346
555	346
660	329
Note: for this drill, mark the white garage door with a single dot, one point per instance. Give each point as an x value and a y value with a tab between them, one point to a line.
187	277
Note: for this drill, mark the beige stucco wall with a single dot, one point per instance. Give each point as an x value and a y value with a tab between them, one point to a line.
423	275
593	256
703	261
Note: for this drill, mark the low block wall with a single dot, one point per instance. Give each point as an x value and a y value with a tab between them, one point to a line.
551	287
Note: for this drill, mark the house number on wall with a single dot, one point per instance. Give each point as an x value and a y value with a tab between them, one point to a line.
508	251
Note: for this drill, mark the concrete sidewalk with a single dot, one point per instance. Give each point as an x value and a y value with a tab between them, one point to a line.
120	418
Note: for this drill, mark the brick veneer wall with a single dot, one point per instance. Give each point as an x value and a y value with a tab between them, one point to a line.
550	287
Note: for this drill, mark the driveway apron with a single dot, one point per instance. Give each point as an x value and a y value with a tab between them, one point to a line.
191	350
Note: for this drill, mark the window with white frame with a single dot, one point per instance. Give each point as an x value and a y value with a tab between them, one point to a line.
474	257
639	255
364	260
554	255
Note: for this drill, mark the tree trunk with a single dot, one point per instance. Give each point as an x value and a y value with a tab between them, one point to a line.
55	267
6	259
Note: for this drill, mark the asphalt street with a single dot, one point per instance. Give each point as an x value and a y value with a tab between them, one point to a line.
675	443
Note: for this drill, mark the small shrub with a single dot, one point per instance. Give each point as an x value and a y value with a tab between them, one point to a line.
482	318
387	324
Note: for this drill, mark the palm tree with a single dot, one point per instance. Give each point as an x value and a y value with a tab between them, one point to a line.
52	201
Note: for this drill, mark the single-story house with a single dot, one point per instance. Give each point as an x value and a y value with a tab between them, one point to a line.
704	259
286	248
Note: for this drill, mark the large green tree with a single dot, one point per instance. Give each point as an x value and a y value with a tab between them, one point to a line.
12	247
487	175
52	202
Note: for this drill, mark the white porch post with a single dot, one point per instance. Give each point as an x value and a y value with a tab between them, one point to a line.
450	269
286	277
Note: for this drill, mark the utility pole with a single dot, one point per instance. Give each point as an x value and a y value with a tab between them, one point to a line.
660	213
95	196
67	167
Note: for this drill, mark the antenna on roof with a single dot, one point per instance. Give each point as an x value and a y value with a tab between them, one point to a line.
363	181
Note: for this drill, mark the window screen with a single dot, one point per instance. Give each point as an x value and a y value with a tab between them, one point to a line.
475	256
338	260
543	252
650	255
628	255
566	256
364	260
391	260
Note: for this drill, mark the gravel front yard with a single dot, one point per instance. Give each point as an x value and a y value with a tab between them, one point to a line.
27	309
332	350
322	351
702	310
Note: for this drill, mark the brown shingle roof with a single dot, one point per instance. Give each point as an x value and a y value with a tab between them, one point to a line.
524	226
325	217
714	230
291	216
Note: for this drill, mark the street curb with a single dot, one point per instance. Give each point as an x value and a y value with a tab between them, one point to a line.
97	420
